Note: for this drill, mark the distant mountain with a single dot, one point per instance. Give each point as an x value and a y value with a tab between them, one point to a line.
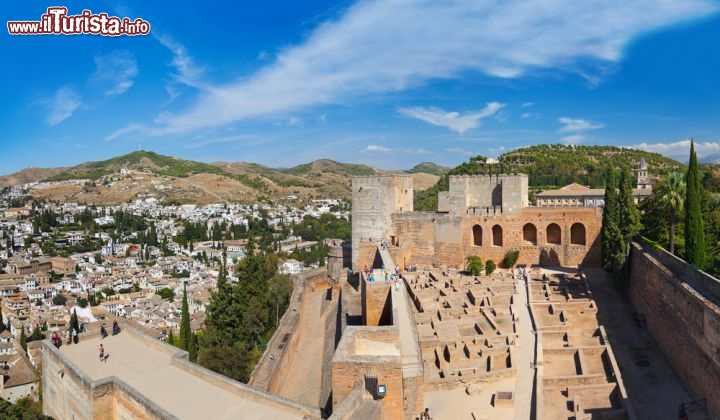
429	168
145	174
713	159
553	166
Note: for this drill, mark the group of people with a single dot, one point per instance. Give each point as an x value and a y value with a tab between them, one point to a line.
71	336
115	329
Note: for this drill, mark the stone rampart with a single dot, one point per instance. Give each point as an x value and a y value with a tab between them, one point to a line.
680	306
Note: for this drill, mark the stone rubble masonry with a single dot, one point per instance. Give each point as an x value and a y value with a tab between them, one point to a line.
549	236
680	306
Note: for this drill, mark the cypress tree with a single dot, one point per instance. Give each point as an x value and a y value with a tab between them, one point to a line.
171	338
694	230
628	214
23	338
610	229
184	338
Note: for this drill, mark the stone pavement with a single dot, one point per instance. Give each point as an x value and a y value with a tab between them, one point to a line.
149	371
524	354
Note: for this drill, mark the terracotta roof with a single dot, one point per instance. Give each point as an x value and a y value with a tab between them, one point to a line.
577	190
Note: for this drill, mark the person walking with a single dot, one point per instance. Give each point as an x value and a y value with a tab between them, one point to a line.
102	353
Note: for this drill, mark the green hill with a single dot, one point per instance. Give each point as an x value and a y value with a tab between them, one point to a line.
554	166
330	166
138	161
429	168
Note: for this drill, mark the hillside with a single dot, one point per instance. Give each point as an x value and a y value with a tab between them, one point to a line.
553	166
144	174
28	175
429	168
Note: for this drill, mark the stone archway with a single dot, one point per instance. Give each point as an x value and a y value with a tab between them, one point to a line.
477	235
577	234
553	234
530	233
497	235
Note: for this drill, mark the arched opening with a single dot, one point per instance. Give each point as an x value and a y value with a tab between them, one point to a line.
497	235
530	234
553	234
577	234
477	235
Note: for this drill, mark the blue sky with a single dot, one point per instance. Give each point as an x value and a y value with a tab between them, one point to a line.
389	83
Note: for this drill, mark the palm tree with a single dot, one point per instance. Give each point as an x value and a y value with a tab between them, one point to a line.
672	196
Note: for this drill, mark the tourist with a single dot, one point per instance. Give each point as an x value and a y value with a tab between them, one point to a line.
74	336
115	328
102	353
103	332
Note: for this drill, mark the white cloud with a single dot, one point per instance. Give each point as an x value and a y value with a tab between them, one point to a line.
680	150
129	129
527	104
219	140
573	125
533	115
117	70
295	122
573	139
373	148
62	105
453	121
187	72
381	46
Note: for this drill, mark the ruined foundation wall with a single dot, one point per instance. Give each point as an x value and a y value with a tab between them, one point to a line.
684	321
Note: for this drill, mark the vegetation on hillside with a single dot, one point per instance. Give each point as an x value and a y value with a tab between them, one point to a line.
553	166
429	168
330	166
140	161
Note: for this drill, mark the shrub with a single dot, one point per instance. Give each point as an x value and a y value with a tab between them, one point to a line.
490	267
474	265
510	258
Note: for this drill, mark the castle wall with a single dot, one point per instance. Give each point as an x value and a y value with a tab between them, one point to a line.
680	306
434	238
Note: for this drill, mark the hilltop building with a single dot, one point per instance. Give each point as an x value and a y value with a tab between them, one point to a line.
576	195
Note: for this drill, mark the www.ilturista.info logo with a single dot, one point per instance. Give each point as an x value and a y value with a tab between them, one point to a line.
56	21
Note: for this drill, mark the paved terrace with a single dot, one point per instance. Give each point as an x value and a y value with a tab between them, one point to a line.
154	372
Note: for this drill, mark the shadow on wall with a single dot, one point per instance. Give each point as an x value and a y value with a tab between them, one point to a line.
549	257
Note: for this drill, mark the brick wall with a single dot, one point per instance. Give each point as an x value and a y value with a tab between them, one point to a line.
683	318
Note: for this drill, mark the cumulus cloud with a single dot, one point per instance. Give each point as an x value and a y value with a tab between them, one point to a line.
373	148
379	46
680	150
453	121
117	70
61	105
574	125
573	139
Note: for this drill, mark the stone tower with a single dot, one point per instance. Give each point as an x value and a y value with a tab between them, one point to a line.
643	182
374	199
493	194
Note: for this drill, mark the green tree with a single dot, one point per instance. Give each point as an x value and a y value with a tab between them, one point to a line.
671	193
490	267
628	214
610	234
694	231
59	299
474	265
23	338
510	258
74	324
171	338
185	333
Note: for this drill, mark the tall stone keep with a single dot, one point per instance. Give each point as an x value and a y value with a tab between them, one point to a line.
374	199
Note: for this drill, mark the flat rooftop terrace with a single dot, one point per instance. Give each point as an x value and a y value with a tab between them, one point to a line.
152	371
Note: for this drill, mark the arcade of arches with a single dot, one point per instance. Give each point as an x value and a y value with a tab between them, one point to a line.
553	235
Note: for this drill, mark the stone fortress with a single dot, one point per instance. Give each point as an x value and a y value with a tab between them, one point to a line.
524	344
484	215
